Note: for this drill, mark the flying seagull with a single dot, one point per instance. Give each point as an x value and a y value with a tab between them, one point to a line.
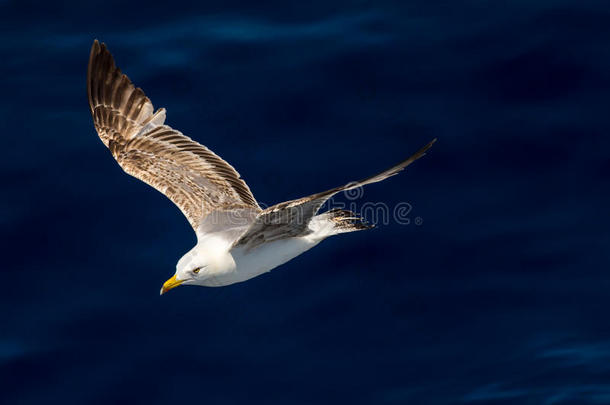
236	239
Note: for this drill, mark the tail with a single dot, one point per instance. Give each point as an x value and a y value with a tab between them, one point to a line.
342	221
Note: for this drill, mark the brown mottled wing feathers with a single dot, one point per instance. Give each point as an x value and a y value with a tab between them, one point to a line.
189	174
291	218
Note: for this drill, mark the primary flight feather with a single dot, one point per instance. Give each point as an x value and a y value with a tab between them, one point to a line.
236	239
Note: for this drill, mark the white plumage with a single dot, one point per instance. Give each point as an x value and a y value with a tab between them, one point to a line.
236	239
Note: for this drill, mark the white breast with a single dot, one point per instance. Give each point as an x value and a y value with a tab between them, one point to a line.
262	259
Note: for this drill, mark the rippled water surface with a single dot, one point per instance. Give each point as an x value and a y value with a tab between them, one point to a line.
496	291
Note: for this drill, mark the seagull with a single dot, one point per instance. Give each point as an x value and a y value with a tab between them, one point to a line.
236	239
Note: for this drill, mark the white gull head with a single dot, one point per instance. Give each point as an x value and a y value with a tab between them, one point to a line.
208	259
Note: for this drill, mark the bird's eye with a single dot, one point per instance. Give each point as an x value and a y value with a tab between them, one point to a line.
196	271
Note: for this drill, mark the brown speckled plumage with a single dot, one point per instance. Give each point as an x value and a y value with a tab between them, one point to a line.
193	177
189	174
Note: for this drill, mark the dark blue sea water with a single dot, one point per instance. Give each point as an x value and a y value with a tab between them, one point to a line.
500	295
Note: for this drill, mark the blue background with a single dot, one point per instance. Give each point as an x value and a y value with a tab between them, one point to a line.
501	295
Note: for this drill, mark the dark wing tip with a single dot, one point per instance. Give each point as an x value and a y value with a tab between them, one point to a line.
97	49
386	173
416	155
101	63
424	149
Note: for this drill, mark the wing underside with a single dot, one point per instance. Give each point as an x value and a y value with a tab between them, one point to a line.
193	177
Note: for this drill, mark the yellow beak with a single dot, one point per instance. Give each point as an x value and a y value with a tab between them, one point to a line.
169	284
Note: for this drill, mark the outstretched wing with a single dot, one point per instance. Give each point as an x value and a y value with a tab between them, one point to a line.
192	176
291	218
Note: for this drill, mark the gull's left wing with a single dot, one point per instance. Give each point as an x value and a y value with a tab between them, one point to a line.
197	180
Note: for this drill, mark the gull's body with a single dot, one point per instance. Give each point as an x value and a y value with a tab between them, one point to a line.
236	239
250	263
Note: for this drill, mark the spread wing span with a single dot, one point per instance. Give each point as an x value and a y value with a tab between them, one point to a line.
196	179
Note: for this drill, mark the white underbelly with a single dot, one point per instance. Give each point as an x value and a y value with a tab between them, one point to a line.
262	259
